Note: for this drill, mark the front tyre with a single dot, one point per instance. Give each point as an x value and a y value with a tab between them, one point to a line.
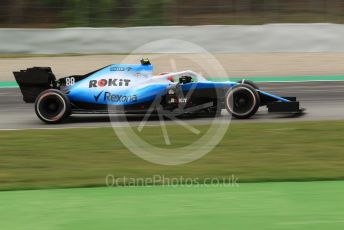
242	101
248	82
52	106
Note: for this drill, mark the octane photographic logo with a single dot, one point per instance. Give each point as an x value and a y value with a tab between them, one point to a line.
173	140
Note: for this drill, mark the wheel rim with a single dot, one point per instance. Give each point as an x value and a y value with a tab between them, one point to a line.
51	107
241	101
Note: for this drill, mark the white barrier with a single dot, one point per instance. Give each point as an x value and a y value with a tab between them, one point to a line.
215	39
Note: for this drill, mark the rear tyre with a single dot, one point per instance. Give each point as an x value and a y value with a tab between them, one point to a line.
52	106
248	82
242	101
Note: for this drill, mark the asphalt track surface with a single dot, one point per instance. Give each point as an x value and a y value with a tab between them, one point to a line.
322	101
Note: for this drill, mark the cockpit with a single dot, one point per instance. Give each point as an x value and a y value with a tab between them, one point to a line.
183	77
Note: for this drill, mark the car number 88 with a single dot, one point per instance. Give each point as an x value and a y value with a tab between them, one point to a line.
70	81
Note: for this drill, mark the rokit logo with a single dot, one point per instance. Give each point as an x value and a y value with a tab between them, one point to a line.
116	97
108	82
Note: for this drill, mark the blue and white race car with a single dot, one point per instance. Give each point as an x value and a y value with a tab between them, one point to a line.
132	89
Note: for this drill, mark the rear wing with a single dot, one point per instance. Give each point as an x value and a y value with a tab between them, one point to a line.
33	81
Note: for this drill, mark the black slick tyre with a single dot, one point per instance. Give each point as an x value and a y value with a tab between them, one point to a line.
242	101
248	82
52	106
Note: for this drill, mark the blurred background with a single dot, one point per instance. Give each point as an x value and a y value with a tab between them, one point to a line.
125	13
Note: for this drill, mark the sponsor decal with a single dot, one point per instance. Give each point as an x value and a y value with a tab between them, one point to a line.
116	68
119	98
179	100
176	100
96	97
108	82
115	97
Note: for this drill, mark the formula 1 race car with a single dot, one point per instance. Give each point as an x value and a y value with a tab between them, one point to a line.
132	89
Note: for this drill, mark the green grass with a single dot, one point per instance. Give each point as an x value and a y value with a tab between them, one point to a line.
307	205
293	151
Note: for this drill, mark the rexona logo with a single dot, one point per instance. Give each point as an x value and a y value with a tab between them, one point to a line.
119	98
116	97
108	82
